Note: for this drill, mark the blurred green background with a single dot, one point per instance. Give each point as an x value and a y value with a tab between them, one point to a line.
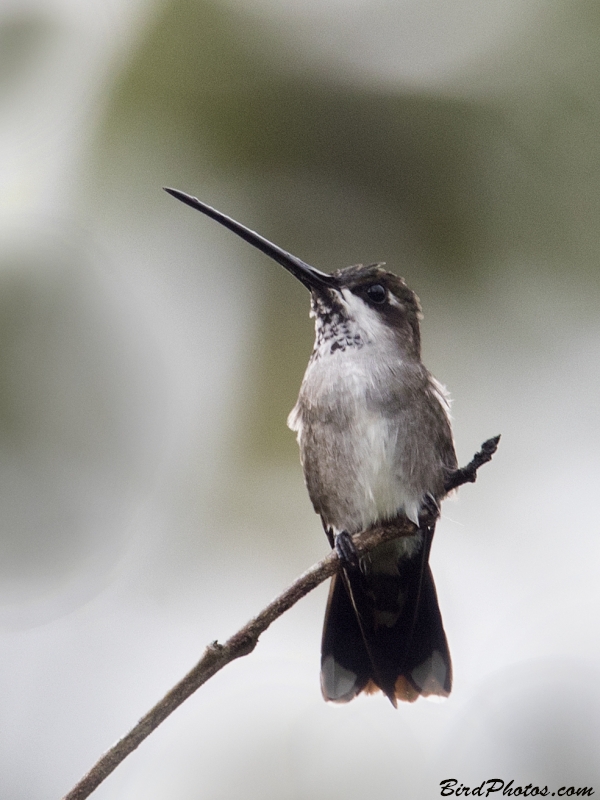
151	498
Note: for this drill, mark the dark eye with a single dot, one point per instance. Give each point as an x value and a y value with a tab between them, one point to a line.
377	293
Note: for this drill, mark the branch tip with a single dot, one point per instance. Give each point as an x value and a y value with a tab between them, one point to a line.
468	474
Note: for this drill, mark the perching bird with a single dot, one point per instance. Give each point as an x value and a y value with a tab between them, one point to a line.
376	447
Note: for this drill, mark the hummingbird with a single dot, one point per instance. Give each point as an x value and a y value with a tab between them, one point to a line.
376	448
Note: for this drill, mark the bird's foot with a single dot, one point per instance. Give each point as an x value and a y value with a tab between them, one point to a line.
346	550
429	513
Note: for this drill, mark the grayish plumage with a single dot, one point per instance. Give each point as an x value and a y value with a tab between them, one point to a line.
376	445
372	423
375	441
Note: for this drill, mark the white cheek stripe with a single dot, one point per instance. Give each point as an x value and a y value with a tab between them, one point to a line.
365	319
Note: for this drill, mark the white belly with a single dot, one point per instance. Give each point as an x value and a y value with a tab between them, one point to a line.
381	492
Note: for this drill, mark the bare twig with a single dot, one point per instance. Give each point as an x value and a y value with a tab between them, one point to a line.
242	643
468	474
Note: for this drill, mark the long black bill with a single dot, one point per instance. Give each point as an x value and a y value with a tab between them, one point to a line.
312	278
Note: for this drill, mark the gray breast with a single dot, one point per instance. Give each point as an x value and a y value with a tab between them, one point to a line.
373	435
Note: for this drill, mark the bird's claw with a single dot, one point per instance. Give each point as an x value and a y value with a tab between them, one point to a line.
430	512
346	550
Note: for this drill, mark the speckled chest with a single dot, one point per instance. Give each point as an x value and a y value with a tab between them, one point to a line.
335	333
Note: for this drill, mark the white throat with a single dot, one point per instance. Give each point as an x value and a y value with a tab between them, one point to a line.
351	327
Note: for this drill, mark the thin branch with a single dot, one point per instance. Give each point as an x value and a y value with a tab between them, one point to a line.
468	474
242	643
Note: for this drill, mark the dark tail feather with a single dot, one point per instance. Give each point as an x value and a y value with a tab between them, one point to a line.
345	664
399	644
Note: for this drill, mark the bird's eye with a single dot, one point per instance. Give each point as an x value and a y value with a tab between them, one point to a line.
377	293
